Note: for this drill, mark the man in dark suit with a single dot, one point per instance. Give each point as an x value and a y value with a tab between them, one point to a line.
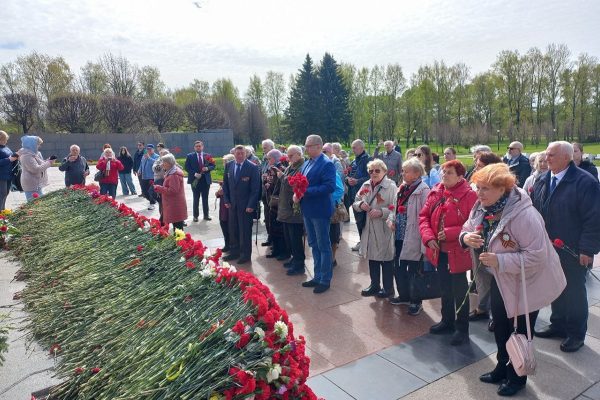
241	189
198	165
518	163
569	200
317	208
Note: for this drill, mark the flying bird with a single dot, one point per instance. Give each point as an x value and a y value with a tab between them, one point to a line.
197	4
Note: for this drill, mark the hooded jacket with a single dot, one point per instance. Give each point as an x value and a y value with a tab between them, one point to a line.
172	192
33	165
521	231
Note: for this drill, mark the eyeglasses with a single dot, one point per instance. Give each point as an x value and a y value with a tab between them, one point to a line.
374	171
418	154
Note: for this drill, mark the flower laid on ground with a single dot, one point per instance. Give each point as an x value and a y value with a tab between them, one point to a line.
205	332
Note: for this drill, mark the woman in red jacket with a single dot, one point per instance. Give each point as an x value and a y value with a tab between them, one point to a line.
440	221
172	192
110	167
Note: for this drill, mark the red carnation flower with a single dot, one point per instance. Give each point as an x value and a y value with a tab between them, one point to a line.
190	265
187	299
558	243
3	228
140	248
55	348
364	191
244	339
489	217
391	172
391	207
79	371
401	209
95	370
35	195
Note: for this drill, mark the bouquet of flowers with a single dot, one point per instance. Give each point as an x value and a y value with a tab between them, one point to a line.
299	184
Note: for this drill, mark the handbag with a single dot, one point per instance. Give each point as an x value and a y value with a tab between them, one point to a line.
274	201
518	346
425	283
340	214
98	175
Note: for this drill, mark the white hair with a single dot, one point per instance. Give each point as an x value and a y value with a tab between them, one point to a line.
479	148
533	156
249	149
268	142
388	142
414	164
107	151
563	147
295	149
227	158
74	146
337	147
169	159
359	142
314	139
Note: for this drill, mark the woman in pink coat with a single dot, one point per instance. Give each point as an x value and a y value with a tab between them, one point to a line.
172	192
504	229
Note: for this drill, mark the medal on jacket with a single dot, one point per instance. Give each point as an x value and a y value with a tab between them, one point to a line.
506	240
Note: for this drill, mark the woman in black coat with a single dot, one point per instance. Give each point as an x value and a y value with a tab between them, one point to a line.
125	176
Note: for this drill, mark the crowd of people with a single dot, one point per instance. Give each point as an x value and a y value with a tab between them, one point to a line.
504	220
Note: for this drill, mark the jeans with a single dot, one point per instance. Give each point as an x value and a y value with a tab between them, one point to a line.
317	231
454	288
29	195
109	189
126	183
4	190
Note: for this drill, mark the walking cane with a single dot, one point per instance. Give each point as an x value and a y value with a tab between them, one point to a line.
256	229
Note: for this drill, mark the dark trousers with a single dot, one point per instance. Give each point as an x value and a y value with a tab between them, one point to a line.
240	231
4	190
503	328
178	225
201	189
294	235
225	230
109	189
570	309
145	184
361	220
404	270
385	268
454	289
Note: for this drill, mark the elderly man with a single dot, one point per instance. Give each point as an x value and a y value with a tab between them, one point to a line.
476	151
75	167
198	165
392	160
356	177
517	162
569	200
317	209
449	154
267	146
328	151
241	189
581	163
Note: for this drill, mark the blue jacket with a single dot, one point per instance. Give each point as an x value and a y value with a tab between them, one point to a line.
146	164
192	166
242	191
317	201
5	164
359	172
572	211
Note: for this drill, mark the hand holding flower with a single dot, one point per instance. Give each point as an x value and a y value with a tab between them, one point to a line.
489	259
365	207
375	213
391	225
441	235
473	239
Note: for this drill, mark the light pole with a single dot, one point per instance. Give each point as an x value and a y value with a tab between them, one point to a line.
553	134
498	138
414	136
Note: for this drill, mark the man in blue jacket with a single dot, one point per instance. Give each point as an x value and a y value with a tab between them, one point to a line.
241	189
569	200
518	163
198	165
146	173
317	209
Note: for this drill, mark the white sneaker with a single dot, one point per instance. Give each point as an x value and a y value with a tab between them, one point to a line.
151	207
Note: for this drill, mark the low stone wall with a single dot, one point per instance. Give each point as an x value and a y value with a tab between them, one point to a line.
216	142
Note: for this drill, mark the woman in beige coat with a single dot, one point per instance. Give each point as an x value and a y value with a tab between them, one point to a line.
504	229
404	221
34	174
377	241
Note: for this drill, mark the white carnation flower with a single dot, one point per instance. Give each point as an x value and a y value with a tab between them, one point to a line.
273	373
281	329
260	332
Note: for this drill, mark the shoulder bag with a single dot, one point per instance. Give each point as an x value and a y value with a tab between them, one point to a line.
518	346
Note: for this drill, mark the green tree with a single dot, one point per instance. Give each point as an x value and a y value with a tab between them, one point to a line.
149	83
302	114
334	117
274	90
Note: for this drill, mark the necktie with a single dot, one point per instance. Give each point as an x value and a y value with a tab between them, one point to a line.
237	170
200	163
553	184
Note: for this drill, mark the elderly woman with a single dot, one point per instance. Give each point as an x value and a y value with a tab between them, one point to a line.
424	155
270	188
7	158
33	167
223	212
540	167
110	168
158	171
404	220
476	150
172	193
293	222
375	197
499	230
440	221
75	167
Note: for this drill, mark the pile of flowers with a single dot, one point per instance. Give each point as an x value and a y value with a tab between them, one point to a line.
6	228
133	312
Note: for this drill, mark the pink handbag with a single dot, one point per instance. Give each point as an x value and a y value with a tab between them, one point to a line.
520	347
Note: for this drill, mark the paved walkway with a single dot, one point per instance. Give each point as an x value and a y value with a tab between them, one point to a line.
361	348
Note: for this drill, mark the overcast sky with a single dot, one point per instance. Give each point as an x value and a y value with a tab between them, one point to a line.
210	39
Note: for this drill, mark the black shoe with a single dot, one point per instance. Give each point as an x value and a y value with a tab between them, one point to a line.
295	271
399	301
231	257
288	264
459	338
225	249
491	325
243	260
509	389
549	332
571	345
272	255
370	291
283	257
492	377
415	309
195	219
265	244
207	218
320	288
478	316
383	294
441	328
311	283
185	223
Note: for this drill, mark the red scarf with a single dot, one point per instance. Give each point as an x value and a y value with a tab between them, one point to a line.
404	192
